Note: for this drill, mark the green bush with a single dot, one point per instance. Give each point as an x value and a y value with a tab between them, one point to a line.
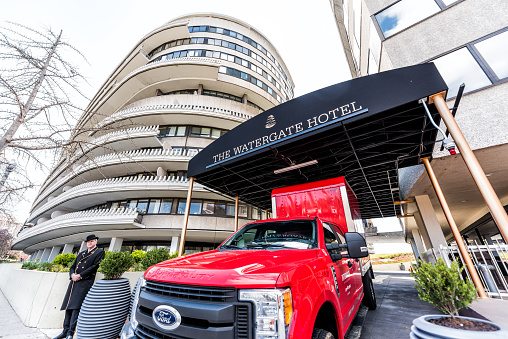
156	256
443	287
137	255
64	259
137	267
29	265
45	266
115	264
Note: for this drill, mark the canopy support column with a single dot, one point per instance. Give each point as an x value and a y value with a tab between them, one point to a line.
488	193
186	217
236	213
456	234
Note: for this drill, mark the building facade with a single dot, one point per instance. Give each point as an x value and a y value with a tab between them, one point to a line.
182	86
468	42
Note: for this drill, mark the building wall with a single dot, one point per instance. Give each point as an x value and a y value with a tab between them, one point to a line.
203	73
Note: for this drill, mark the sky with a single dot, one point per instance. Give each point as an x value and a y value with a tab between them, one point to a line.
304	33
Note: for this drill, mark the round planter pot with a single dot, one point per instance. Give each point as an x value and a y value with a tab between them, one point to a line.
104	309
422	329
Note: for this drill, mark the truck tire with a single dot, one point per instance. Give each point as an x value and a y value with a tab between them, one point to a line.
321	334
369	296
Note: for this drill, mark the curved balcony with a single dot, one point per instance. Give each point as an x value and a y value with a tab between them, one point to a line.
101	191
78	222
139	137
113	165
165	109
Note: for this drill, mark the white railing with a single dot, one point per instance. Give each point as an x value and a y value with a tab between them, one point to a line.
129	133
119	158
126	214
491	262
108	184
134	110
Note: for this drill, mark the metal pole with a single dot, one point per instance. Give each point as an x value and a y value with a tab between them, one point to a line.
456	234
489	195
186	217
236	213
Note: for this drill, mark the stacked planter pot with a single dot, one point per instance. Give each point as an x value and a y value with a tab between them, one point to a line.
423	329
104	309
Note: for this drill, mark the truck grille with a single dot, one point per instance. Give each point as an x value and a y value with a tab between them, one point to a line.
204	293
206	312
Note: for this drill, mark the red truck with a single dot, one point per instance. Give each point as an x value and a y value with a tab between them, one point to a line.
302	275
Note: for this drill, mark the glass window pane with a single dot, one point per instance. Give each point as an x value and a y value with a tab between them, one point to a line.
404	14
171	131
230	210
142	205
460	67
242	211
165	206
208	207
115	205
196	131
215	133
180	131
154	206
205	131
220	209
195	207
495	50
181	206
132	204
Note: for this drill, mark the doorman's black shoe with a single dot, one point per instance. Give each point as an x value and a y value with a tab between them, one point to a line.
62	335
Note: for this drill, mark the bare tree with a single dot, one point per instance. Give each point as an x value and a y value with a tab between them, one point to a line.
5	242
37	89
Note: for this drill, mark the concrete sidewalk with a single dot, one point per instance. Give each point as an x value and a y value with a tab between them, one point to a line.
397	305
11	326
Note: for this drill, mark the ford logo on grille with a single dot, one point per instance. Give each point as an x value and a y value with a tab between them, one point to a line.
166	317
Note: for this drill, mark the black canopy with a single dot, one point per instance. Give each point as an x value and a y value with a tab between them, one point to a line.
363	129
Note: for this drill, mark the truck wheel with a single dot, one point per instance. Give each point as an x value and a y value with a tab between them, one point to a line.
369	296
321	334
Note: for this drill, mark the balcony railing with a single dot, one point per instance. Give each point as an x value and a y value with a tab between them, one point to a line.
112	184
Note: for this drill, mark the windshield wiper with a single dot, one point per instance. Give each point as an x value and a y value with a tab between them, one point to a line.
263	245
232	247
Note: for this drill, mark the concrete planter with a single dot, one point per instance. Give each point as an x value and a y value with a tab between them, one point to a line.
422	329
104	309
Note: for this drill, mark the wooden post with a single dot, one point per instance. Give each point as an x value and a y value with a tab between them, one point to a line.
456	234
236	213
186	217
489	195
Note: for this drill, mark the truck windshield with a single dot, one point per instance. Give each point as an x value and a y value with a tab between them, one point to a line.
290	234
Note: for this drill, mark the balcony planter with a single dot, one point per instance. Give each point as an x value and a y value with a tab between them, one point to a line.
423	329
107	304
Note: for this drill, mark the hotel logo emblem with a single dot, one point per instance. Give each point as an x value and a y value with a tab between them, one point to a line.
270	121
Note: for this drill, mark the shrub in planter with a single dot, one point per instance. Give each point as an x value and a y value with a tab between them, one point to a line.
156	256
137	255
443	287
106	305
45	266
115	264
29	265
64	259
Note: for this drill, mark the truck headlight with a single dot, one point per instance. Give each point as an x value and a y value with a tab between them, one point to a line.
274	310
137	290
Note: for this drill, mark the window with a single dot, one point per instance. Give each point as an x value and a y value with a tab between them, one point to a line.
494	50
403	14
154	206
460	67
142	205
132	204
208	207
195	207
165	206
230	210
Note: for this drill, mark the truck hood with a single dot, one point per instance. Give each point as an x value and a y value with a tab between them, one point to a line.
246	269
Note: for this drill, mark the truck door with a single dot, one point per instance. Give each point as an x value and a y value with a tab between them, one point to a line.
344	280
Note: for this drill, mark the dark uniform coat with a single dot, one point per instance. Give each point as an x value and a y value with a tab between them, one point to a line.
86	265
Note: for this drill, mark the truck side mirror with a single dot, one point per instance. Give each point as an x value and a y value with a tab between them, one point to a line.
356	245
